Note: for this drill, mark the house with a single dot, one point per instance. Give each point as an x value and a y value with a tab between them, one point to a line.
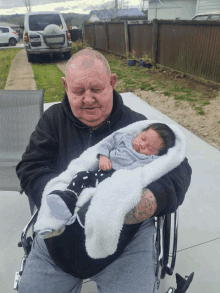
180	9
207	6
108	15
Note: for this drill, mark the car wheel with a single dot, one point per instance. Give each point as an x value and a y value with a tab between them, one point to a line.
12	42
67	55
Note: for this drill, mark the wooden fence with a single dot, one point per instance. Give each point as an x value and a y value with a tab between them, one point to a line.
188	46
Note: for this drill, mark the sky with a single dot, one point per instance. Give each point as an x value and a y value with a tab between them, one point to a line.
63	6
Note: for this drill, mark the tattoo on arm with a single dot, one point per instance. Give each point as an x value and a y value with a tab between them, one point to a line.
144	210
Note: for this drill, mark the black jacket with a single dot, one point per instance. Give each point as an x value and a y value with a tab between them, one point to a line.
59	138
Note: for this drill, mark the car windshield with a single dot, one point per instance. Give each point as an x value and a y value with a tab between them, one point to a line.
38	22
201	17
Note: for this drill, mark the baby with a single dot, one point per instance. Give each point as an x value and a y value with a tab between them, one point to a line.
120	151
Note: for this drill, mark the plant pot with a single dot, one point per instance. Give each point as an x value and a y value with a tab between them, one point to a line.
143	64
131	62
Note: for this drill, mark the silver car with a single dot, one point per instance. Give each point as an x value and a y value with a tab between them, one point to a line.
8	36
207	16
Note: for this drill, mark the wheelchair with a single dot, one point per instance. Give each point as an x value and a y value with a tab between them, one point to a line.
162	248
26	106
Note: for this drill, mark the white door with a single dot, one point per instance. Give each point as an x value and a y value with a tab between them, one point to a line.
1	36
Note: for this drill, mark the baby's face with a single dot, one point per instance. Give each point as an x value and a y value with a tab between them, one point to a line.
147	142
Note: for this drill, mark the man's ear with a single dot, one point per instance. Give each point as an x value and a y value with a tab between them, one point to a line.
64	83
113	79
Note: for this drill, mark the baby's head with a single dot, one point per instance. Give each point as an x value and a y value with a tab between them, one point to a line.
156	139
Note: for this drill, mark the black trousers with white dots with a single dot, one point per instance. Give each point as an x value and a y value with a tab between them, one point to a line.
85	179
80	181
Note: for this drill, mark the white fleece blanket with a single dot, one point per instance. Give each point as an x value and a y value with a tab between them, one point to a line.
113	198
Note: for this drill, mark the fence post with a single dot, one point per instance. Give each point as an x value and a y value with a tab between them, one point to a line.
94	41
126	38
107	39
83	34
154	42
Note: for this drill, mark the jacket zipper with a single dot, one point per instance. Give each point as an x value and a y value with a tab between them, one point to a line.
76	263
90	136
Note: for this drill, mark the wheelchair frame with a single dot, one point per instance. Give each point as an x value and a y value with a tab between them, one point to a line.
162	247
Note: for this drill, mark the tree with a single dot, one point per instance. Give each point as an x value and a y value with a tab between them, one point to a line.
27	4
112	6
144	7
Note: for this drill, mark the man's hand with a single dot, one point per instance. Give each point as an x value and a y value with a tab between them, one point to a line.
104	163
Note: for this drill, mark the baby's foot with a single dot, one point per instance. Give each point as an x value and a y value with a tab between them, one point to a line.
48	233
58	207
62	205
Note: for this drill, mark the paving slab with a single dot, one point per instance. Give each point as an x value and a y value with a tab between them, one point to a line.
21	76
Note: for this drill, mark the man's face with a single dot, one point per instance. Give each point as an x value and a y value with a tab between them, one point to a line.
90	90
148	143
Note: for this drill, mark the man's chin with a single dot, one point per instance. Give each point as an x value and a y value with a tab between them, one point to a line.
92	122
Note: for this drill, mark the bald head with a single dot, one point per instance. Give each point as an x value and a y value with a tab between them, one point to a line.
87	59
89	86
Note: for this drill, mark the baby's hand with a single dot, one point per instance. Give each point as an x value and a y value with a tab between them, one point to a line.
104	163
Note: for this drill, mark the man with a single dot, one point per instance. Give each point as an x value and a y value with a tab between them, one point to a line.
90	111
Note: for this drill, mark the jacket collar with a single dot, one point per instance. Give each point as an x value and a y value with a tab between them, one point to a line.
110	121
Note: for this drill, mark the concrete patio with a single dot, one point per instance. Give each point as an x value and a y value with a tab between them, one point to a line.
199	220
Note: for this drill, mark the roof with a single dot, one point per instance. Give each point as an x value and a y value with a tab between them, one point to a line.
9	24
208	13
106	14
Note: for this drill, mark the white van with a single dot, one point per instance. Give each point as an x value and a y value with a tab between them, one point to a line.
46	32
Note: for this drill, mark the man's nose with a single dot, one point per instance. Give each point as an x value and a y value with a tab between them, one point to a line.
88	97
143	144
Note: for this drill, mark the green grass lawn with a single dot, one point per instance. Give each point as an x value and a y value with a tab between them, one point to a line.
6	56
48	77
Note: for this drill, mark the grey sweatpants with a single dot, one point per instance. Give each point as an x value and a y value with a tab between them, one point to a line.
132	272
